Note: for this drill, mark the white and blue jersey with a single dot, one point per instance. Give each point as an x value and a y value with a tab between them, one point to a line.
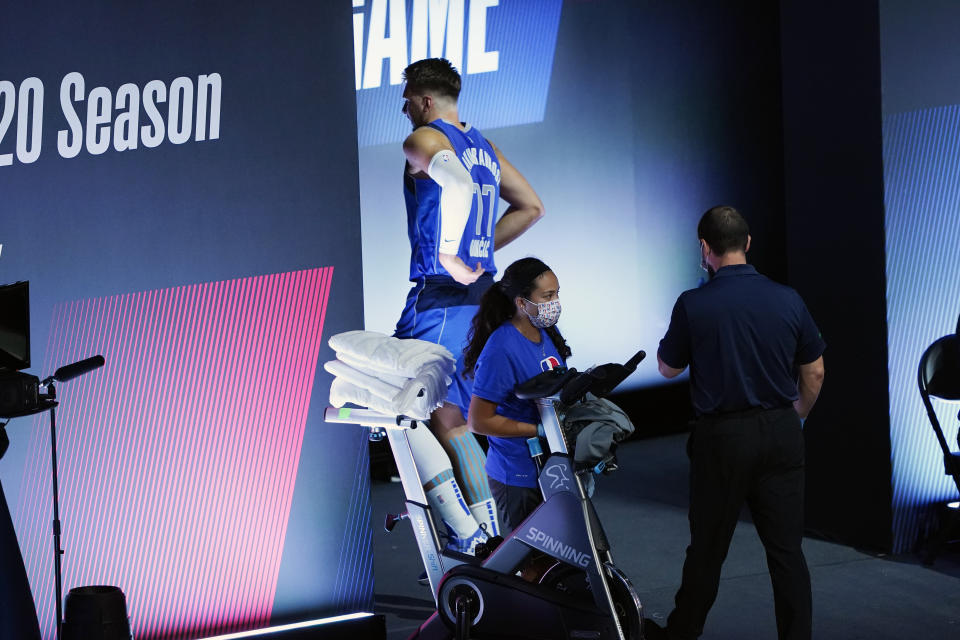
438	308
509	358
422	197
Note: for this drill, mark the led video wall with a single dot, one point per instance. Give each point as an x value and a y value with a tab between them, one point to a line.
165	193
181	190
628	119
921	158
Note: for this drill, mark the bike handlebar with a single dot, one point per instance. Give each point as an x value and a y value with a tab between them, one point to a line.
600	380
635	360
573	385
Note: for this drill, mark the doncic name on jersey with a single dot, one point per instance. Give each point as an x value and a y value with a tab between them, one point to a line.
477	36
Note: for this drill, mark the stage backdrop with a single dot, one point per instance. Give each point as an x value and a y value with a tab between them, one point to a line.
629	120
921	161
179	186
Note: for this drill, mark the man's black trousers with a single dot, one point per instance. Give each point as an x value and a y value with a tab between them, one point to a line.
755	457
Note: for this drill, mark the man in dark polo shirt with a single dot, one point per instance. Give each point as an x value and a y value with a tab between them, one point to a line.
756	367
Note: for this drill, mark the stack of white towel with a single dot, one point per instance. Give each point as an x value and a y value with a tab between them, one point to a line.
389	375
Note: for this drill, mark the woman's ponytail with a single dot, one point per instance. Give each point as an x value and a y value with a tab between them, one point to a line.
495	309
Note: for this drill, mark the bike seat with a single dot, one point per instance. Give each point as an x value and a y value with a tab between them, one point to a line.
544	384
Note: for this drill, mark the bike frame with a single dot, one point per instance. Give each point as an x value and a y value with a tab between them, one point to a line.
565	526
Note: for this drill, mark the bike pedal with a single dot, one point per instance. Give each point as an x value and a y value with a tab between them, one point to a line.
392	519
484	549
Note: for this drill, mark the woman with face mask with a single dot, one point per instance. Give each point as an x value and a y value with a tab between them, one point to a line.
513	338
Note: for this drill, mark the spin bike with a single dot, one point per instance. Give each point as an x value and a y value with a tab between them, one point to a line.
582	595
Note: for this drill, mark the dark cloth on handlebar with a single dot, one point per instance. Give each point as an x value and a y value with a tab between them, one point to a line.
596	425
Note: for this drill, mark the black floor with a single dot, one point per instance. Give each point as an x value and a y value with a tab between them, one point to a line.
643	509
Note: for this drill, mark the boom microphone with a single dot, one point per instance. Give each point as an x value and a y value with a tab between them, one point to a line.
70	371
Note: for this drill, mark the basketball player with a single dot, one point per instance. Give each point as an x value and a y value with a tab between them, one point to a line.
453	182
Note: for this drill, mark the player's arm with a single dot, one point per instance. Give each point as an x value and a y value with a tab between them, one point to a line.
808	386
524	209
483	418
429	151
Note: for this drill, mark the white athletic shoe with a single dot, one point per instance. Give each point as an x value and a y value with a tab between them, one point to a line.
467	545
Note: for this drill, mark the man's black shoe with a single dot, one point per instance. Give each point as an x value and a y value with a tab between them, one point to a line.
653	631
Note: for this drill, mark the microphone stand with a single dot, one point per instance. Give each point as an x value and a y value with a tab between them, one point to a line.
62	374
57	550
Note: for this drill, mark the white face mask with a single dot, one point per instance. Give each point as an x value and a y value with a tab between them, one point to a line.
547	313
703	261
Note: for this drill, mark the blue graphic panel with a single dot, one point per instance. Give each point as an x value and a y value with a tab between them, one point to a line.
503	48
625	152
133	166
922	191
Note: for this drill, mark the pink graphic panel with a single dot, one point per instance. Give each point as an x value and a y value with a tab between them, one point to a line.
178	458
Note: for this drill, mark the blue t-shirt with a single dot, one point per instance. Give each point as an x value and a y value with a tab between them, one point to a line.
508	359
743	336
422	197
